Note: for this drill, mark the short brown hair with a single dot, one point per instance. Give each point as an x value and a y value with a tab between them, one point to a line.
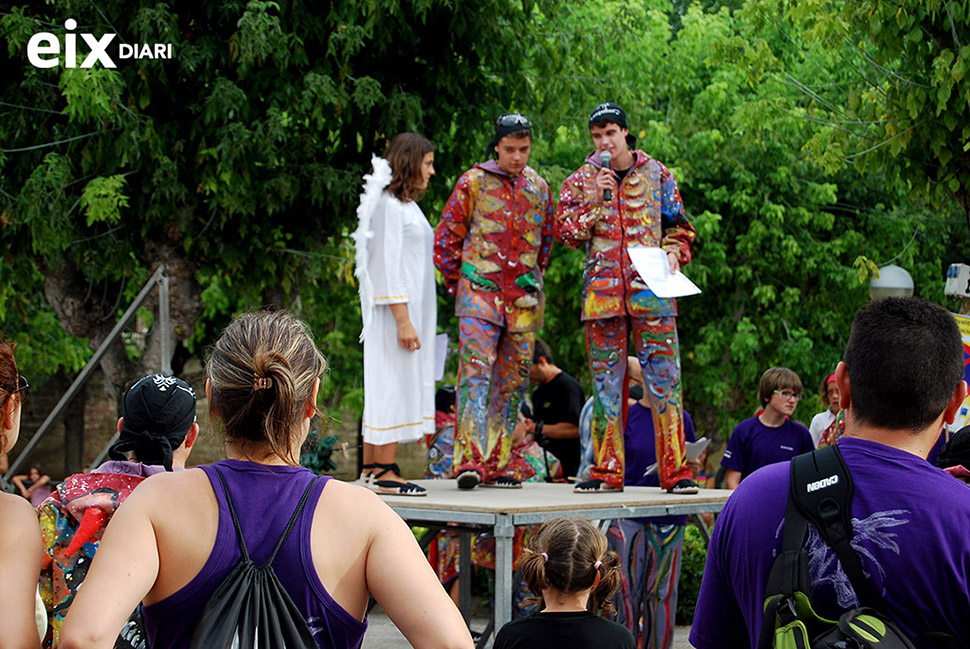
405	153
778	378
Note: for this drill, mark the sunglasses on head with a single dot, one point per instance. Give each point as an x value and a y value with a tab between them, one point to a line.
513	119
22	386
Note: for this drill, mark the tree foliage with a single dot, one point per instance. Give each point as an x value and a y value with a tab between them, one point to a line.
235	163
238	162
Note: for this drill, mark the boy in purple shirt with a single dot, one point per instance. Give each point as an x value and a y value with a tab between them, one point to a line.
901	380
772	436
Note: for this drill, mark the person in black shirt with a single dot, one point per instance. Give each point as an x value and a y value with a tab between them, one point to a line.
556	404
569	567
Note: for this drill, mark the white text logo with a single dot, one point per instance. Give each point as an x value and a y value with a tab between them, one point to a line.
43	44
821	484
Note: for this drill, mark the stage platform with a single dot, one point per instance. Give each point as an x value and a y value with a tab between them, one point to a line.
503	509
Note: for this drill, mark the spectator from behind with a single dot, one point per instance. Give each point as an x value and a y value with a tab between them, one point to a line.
905	512
156	432
263	378
20	546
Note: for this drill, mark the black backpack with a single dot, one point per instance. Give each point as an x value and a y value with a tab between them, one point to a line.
250	608
821	492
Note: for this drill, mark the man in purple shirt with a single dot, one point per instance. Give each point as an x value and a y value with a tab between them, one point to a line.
901	380
773	436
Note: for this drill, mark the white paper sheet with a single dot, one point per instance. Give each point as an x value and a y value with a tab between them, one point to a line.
440	354
654	269
692	450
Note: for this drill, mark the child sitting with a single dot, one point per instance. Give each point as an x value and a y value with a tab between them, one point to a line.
568	563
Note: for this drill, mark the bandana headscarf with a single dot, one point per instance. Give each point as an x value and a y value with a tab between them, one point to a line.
158	411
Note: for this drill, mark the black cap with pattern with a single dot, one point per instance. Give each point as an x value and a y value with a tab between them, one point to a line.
158	411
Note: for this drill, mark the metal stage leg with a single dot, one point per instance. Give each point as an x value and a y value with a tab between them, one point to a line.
504	535
465	576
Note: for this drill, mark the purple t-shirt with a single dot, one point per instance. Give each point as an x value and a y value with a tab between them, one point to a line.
264	498
640	446
910	521
754	445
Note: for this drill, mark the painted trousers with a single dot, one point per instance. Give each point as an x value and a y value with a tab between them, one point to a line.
650	557
493	372
657	349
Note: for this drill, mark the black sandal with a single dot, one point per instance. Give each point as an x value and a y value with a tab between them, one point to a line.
393	487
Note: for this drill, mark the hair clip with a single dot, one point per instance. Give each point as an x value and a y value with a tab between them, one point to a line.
545	557
261	383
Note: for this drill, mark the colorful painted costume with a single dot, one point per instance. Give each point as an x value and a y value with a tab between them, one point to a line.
646	210
492	245
72	522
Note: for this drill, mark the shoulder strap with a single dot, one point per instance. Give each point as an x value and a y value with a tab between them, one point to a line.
821	488
289	525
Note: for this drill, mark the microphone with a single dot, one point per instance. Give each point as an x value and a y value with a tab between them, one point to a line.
605	158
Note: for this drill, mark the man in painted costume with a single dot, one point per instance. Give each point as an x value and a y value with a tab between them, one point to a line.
632	202
901	380
492	246
156	433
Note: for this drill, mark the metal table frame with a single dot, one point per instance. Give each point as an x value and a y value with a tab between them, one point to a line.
502	510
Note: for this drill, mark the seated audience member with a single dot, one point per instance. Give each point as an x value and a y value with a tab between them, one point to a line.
556	404
955	456
905	512
567	565
263	378
33	485
441	445
20	546
825	419
156	430
773	436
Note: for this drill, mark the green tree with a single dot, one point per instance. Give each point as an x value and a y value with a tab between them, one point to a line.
906	108
236	163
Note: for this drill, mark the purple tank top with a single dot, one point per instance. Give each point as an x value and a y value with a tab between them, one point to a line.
264	497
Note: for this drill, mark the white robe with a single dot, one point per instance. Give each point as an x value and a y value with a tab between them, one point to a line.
398	383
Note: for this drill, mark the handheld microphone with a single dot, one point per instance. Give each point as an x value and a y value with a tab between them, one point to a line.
605	159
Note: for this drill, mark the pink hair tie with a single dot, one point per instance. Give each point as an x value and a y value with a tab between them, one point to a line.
596	566
545	557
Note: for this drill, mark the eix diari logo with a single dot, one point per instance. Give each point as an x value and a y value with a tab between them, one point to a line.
46	43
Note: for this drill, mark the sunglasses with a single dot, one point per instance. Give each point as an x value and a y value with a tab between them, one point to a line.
513	119
22	386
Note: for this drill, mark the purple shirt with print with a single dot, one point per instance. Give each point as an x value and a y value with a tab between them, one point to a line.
910	521
754	445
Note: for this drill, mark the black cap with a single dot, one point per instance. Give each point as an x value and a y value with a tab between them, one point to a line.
611	112
158	411
506	125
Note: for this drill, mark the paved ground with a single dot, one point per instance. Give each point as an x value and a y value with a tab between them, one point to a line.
382	634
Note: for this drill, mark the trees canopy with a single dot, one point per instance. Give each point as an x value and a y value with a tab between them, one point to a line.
238	162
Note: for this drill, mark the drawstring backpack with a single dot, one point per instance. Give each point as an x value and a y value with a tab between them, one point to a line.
250	608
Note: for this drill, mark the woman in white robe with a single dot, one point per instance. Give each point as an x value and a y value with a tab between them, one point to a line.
395	268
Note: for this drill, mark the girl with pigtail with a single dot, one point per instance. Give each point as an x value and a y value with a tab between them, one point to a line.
573	574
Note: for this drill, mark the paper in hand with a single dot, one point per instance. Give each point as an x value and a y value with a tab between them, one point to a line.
654	269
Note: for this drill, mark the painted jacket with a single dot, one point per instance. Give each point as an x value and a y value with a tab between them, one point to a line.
646	210
492	246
